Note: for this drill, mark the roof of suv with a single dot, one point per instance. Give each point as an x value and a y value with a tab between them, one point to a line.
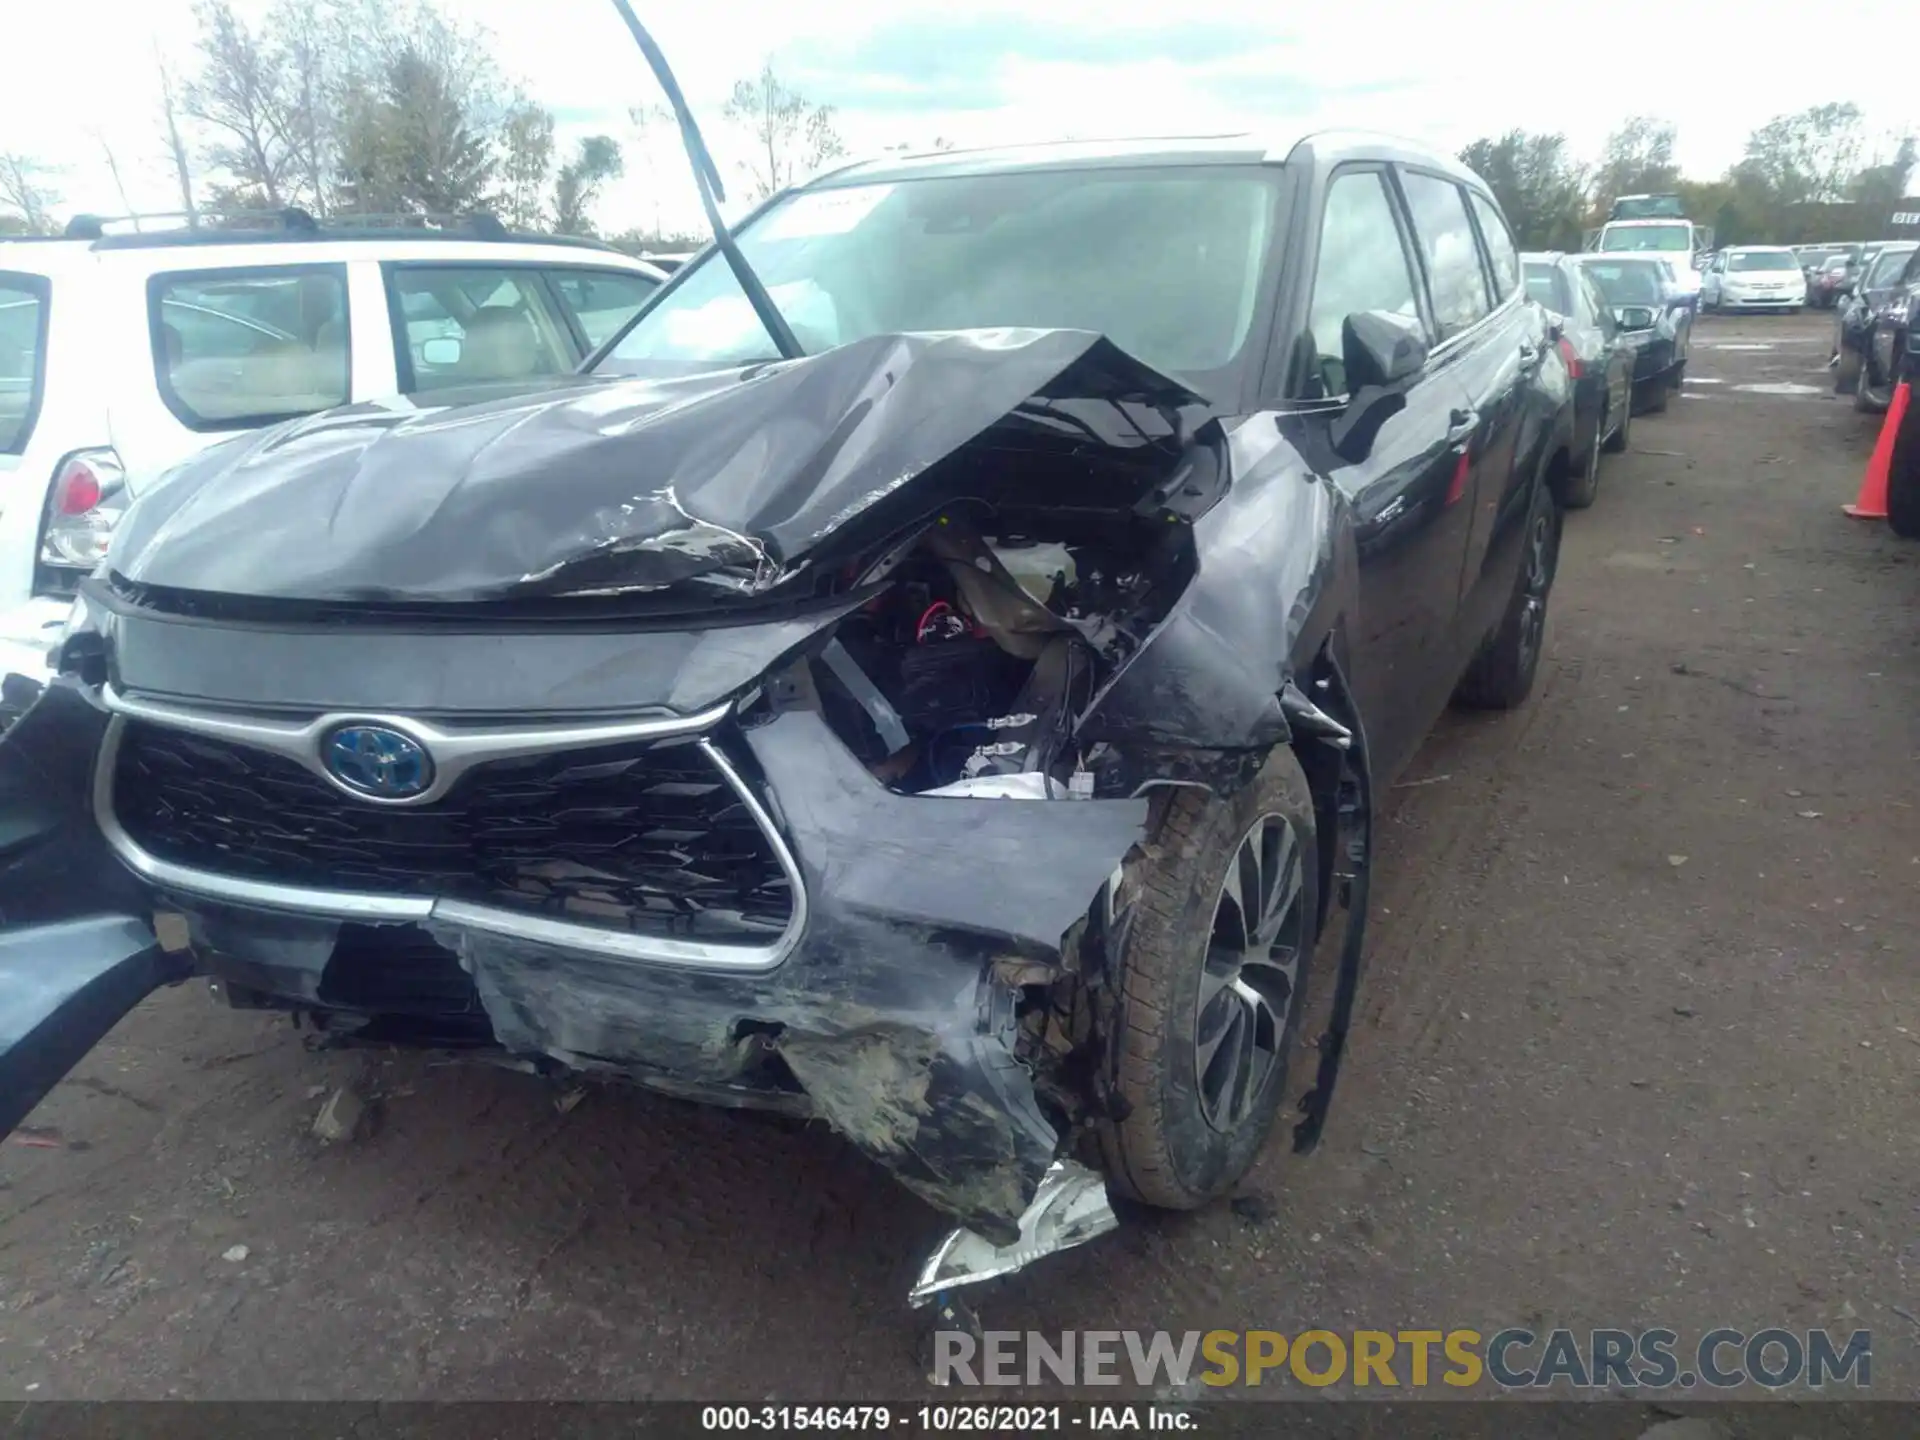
212	249
1179	150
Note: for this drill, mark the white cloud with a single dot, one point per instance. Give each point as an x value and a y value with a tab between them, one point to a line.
1437	73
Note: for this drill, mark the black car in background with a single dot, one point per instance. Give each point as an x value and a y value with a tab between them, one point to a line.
1652	316
834	701
1870	332
1599	356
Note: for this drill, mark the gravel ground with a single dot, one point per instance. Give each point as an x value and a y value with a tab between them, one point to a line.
1637	1047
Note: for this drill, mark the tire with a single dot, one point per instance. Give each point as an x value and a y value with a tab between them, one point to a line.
1191	1131
1865	398
1617	442
1656	396
1846	374
1582	486
1677	377
1501	675
1903	481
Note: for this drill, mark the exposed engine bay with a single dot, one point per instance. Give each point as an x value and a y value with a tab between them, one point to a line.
965	674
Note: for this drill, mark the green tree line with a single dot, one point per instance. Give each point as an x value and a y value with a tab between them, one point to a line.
1809	176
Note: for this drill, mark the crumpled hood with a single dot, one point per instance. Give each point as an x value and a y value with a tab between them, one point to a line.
600	483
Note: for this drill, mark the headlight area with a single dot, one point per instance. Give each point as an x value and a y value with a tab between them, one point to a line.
989	637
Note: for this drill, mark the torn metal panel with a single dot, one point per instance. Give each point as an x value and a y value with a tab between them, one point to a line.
1277	567
1069	1208
886	1020
730	477
63	986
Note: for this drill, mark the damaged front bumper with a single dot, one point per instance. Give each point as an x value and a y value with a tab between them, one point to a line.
896	1006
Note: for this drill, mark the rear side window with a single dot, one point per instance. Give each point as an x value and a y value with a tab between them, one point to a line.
1506	260
1547	286
23	357
1602	312
469	324
601	301
1454	273
233	349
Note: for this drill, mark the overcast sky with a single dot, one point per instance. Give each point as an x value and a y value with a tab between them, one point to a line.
994	72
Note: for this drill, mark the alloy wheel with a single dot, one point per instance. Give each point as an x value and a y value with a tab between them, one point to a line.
1539	580
1252	968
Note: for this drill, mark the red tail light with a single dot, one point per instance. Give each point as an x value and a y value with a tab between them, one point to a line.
1573	360
84	503
77	490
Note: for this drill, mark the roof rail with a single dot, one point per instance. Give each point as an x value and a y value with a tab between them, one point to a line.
290	223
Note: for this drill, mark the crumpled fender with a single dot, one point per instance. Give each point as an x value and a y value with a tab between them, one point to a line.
1277	568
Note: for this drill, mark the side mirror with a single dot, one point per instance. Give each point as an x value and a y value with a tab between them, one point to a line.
1378	348
440	352
1635	317
1381	352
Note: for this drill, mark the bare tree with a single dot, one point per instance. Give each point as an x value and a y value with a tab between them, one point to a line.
790	137
578	185
113	169
526	143
24	189
298	36
176	143
238	94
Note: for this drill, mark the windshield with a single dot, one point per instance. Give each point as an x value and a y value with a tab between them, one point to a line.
1887	266
1762	260
1166	264
1647	237
23	308
1630	282
1646	207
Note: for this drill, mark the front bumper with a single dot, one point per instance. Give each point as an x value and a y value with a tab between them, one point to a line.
900	1007
1786	300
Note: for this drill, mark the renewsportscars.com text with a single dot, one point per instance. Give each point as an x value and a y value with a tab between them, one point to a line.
1723	1359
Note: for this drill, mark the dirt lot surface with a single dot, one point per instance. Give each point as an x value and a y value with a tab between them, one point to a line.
1638	1046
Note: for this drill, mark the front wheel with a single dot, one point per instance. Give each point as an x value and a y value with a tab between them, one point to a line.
1617	442
1218	920
1584	484
1846	370
1867	397
1502	673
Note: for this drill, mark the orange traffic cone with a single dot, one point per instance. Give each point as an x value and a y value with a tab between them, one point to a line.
1871	504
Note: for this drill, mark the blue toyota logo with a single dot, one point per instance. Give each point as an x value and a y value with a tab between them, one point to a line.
376	761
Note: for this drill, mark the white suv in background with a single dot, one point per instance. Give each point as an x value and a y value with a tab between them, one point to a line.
123	354
1754	277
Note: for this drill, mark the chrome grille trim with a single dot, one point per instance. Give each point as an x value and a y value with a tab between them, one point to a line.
474	746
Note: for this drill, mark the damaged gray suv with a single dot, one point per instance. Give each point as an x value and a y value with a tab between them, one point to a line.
952	711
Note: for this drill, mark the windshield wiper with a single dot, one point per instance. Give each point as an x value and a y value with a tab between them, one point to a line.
706	179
